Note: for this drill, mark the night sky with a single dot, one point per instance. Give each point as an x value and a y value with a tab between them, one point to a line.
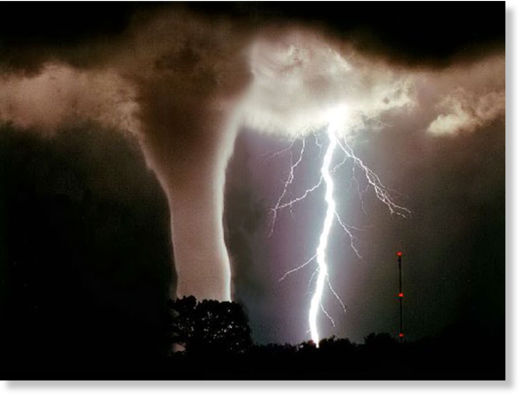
85	232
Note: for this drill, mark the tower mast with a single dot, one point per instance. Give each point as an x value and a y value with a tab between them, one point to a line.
400	295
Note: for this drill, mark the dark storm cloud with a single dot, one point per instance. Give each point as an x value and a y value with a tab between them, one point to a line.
407	32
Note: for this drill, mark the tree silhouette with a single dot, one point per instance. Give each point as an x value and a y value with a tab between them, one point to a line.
380	341
209	326
333	345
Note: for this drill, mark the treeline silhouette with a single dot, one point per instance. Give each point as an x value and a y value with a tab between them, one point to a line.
211	340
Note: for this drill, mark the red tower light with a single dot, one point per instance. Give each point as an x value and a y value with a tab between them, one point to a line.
399	253
400	295
401	335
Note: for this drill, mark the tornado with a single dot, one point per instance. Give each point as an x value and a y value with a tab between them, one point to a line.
191	170
172	82
188	85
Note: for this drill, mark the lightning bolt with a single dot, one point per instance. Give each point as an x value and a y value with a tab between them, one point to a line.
321	251
321	272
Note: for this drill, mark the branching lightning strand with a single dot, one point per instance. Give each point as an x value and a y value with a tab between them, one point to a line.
379	189
288	181
326	178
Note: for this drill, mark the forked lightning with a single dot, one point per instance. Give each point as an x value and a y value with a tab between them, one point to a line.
334	132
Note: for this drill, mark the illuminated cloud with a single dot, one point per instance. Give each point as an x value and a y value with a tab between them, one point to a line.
61	95
299	77
465	96
464	111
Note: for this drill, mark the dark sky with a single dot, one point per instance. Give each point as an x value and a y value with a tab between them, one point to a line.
84	224
413	32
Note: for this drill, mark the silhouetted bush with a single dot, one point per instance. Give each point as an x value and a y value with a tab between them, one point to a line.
209	326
